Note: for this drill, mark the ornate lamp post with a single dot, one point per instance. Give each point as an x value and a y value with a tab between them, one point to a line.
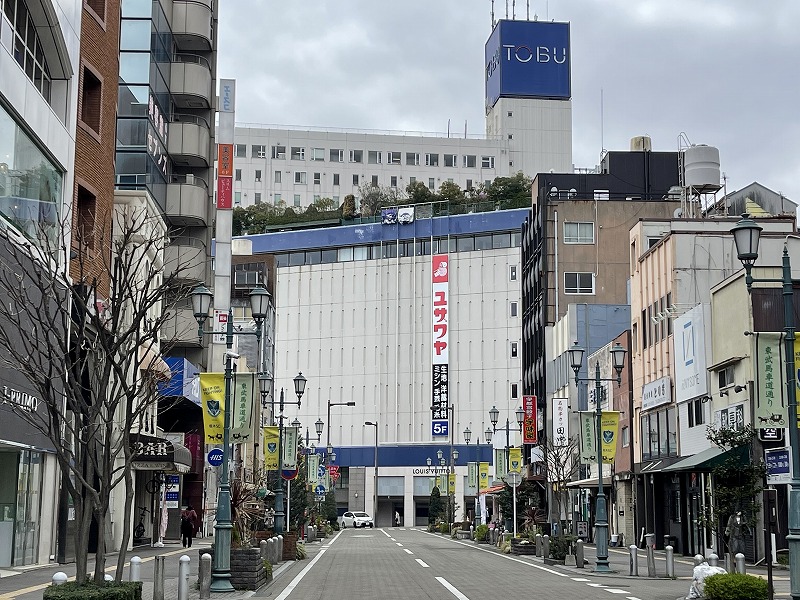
494	415
299	390
260	303
601	521
746	236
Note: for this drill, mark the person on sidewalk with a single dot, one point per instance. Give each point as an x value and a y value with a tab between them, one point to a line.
188	525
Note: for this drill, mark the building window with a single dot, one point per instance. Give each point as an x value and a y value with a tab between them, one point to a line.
374	157
279	152
514	390
259	151
412	159
336	155
725	377
336	200
297	199
469	185
356	156
512	276
513	309
298	153
431	183
374	181
513	349
412	180
317	178
335	179
258	197
470	161
237	198
431	160
450	160
98	7
258	175
91	99
487	162
241	151
579	283
355	179
511	136
27	49
237	175
87	218
277	176
316	198
626	436
300	177
696	414
579	233
394	158
276	198
318	154
393	181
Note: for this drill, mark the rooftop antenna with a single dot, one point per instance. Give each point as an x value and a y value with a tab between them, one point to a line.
513	9
492	14
448	128
602	123
527	10
506	9
465	129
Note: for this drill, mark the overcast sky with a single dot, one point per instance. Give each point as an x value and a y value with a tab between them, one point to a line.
724	72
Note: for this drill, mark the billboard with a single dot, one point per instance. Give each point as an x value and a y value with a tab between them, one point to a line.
527	59
440	344
691	378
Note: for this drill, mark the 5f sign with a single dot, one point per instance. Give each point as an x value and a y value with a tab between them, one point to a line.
439	428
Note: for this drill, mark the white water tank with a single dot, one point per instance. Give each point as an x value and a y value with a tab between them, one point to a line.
641	143
701	168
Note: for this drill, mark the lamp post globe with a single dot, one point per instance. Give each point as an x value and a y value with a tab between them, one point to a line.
494	415
520	414
201	302
488	434
260	301
467	435
318	426
299	385
746	236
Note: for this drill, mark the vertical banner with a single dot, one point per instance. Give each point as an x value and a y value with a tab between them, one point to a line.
515	460
289	449
771	410
312	466
499	463
243	402
439	344
796	372
588	439
271	448
472	475
530	428
212	397
560	422
451	483
609	425
483	476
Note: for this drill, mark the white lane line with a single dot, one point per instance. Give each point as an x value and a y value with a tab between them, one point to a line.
633	598
391	538
616	591
298	578
407	551
399	544
386	533
579	579
597	585
452	589
423	564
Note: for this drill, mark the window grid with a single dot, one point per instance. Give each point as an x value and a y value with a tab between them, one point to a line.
579	283
579	233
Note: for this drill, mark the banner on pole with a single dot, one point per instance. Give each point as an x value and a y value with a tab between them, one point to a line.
271	448
243	401
530	428
587	438
312	466
472	475
289	462
212	398
483	476
515	460
771	409
609	425
499	463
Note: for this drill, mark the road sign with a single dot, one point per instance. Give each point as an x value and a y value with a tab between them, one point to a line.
779	465
320	490
770	434
289	474
513	478
215	457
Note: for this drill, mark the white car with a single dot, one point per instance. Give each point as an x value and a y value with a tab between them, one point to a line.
356	519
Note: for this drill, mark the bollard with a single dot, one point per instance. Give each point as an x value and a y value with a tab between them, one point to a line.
713	560
699	559
670	552
546	546
472	532
135	573
205	577
633	569
183	577
158	579
262	547
107	577
538	540
279	552
651	560
579	554
59	578
739	558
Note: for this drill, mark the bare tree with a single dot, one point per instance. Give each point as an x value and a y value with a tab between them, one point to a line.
92	358
561	463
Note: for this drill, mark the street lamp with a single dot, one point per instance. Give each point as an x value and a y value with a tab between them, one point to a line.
494	416
260	302
328	439
375	499
746	235
601	521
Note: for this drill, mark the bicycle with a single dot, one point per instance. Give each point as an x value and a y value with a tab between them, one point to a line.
138	531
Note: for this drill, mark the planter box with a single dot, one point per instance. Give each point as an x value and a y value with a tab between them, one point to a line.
247	568
463	535
523	549
553	561
289	546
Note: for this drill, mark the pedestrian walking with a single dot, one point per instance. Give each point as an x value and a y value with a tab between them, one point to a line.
188	525
396	519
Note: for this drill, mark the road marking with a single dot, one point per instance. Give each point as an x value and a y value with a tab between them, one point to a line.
407	551
293	583
423	564
399	544
393	539
633	598
616	591
452	589
597	585
579	579
387	534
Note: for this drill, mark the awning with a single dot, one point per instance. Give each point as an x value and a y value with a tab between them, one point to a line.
150	361
158	454
708	459
591	482
493	489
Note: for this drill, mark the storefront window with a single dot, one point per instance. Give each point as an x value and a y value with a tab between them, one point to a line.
26	529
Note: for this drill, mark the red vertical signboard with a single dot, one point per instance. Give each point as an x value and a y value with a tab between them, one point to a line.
530	427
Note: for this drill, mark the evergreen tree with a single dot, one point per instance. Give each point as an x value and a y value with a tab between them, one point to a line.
435	507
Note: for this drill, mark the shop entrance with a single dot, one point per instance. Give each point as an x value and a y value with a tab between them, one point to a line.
20	507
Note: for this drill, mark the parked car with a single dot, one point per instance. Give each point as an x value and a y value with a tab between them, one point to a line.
356	519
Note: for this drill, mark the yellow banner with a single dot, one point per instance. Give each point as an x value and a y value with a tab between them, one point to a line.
271	448
451	483
796	371
515	460
483	476
212	396
609	425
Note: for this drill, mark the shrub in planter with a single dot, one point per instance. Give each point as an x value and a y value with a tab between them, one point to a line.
735	586
444	528
560	546
268	569
482	533
301	551
127	590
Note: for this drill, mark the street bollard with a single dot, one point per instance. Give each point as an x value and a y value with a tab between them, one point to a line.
699	559
670	552
205	577
651	560
183	577
158	579
546	546
739	558
263	547
633	569
279	552
713	560
579	554
107	577
538	541
472	532
59	578
135	573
